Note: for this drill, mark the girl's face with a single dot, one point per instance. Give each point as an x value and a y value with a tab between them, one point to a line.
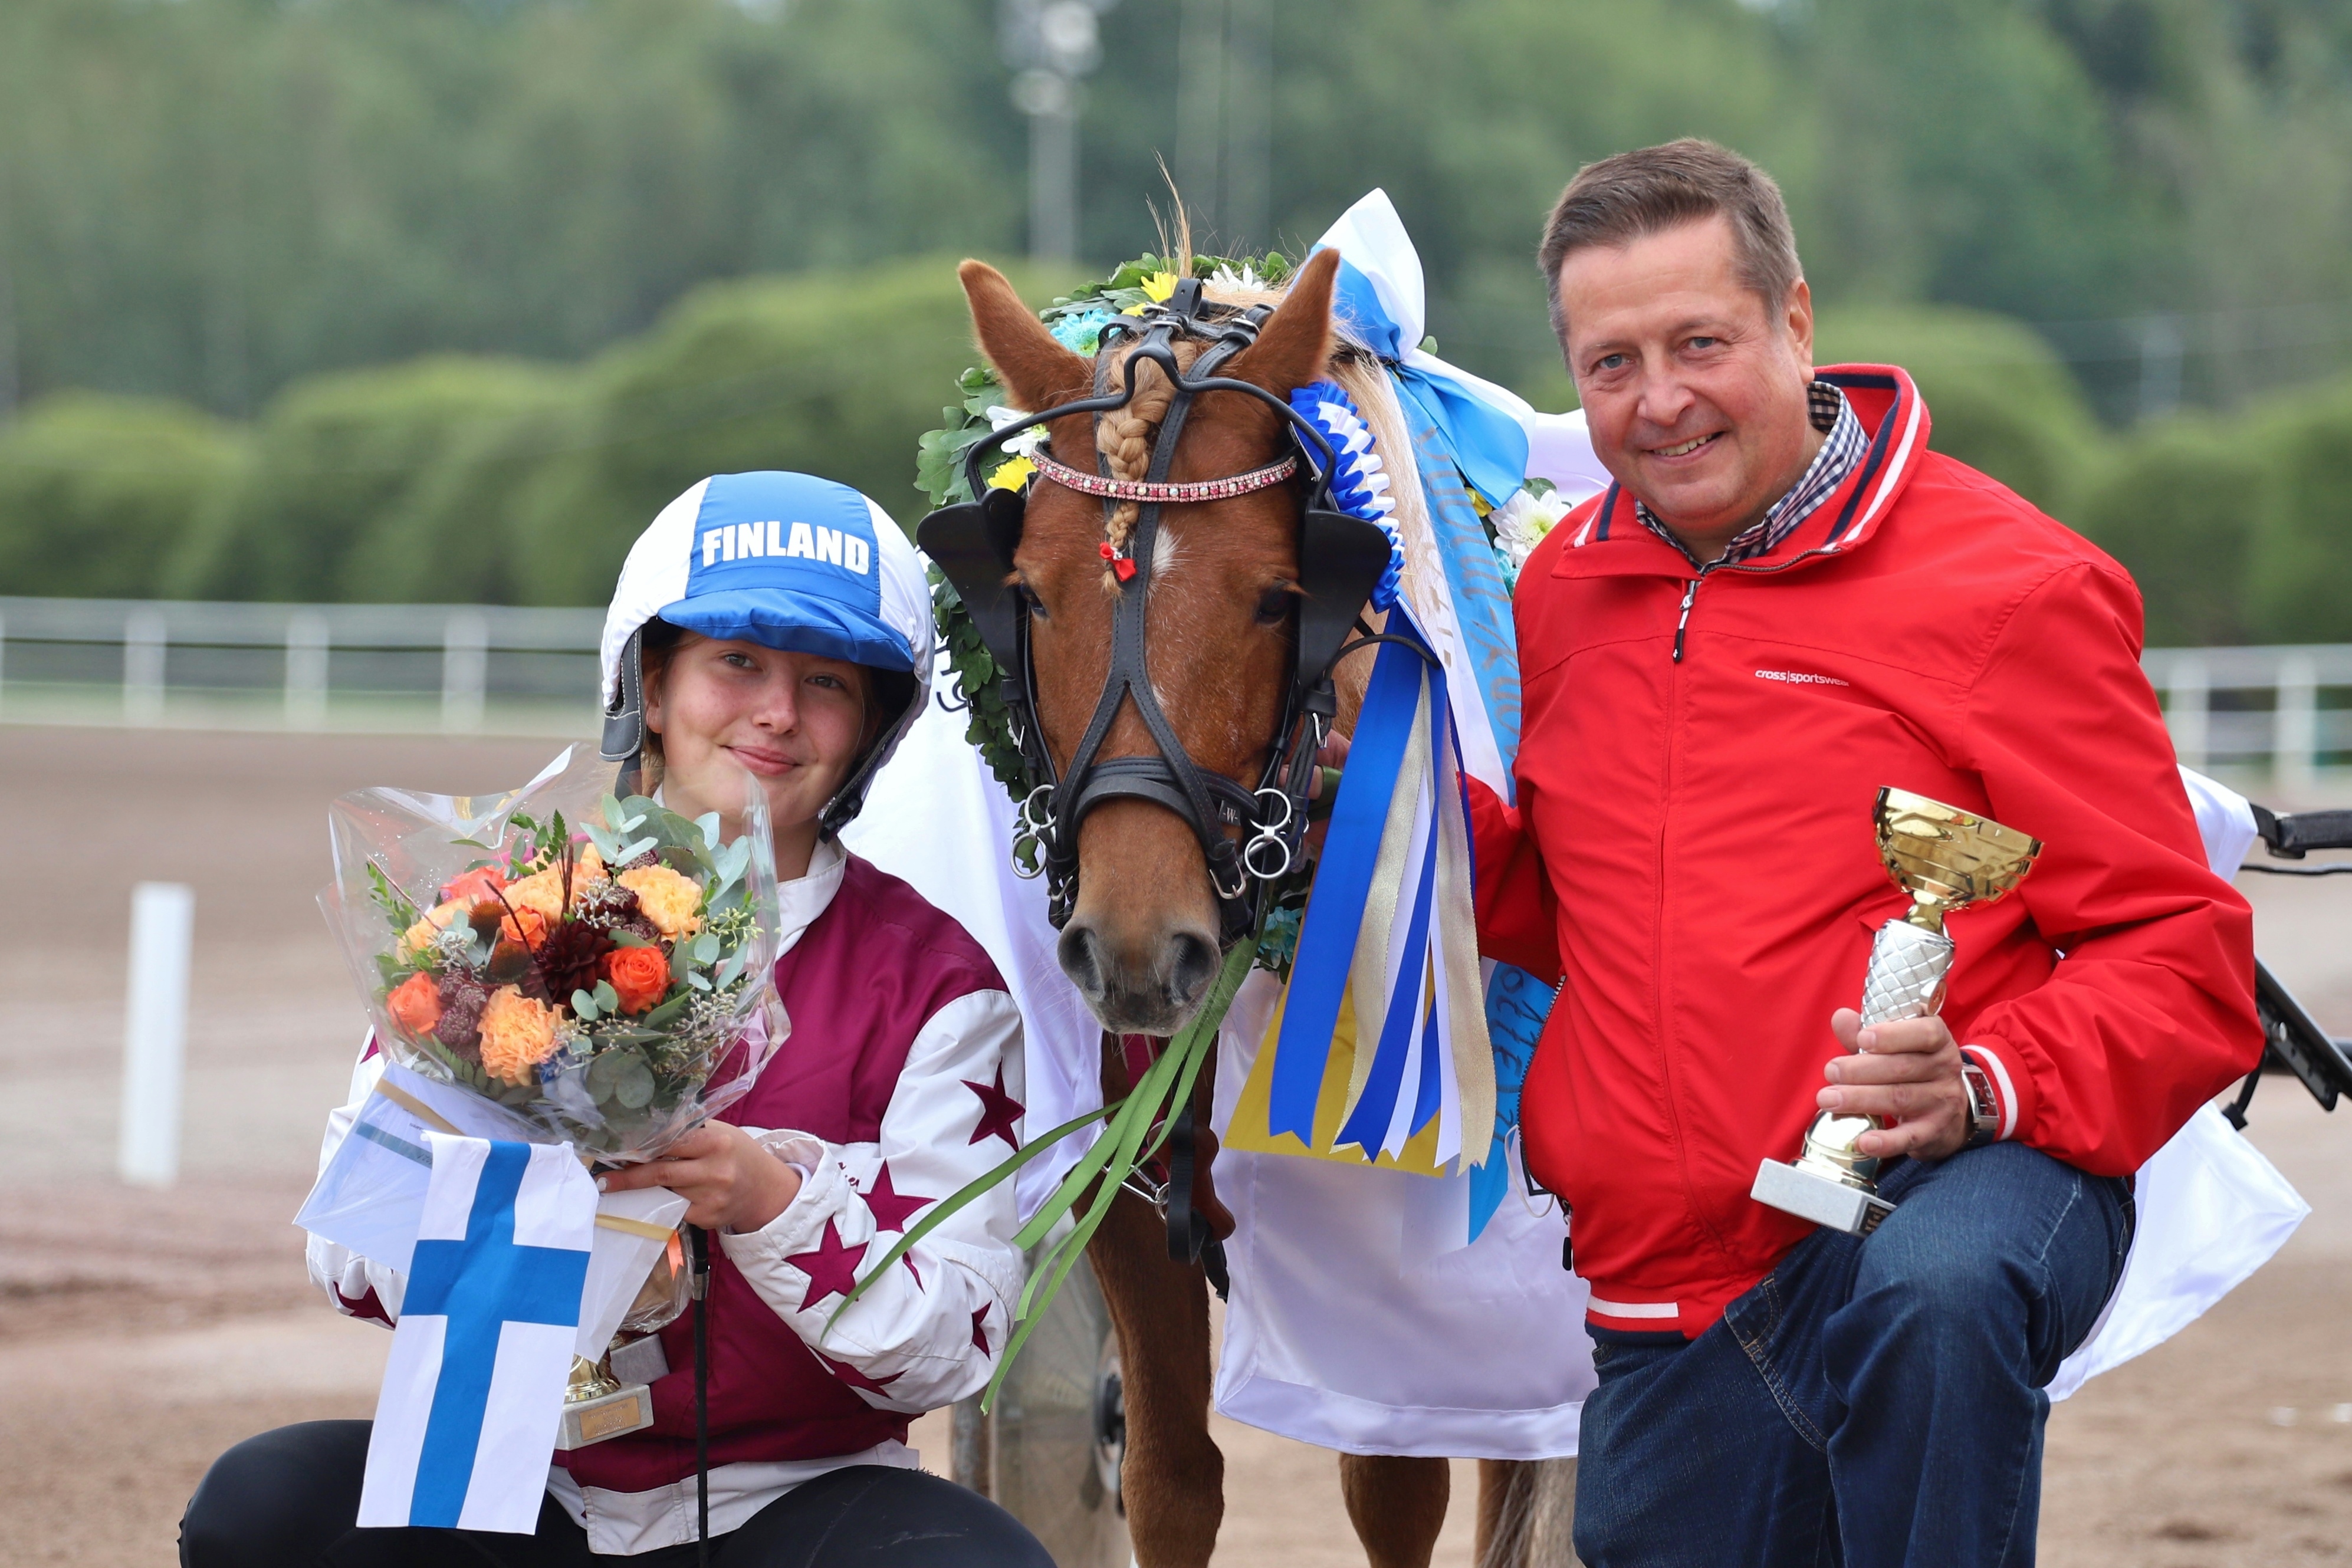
797	721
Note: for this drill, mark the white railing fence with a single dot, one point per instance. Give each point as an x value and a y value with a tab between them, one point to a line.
2284	711
458	668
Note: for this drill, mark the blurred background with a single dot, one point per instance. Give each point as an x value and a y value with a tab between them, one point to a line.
346	344
440	299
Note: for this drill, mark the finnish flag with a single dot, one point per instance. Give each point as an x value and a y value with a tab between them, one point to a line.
473	1390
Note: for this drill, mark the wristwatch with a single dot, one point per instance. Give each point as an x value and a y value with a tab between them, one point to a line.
1984	1105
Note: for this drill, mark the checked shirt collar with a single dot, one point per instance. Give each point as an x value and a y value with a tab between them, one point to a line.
1833	415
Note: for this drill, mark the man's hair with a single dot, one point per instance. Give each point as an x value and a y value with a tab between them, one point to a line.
1621	198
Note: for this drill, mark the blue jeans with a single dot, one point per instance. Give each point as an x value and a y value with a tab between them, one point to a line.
1873	1402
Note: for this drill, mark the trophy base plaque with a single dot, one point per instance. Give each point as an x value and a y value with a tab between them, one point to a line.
1822	1200
598	1406
629	1408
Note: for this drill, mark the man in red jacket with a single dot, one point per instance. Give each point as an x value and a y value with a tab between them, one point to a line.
1787	601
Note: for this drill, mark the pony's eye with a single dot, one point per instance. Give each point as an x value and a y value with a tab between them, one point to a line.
1028	599
1273	604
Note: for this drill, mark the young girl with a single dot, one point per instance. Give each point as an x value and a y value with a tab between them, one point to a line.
778	623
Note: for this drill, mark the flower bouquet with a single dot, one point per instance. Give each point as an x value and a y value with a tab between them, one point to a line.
595	963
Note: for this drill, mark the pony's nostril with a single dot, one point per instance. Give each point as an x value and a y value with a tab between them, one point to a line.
1079	953
1191	965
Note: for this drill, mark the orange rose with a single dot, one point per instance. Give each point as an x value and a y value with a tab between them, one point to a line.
475	885
532	930
415	1004
640	975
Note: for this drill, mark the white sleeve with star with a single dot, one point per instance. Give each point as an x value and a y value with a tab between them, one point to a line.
928	1332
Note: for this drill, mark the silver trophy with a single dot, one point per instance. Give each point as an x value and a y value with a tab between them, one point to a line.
1945	859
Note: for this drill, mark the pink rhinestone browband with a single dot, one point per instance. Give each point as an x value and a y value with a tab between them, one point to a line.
1167	494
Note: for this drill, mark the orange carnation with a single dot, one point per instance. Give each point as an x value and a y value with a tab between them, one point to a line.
415	1004
640	975
517	1034
668	899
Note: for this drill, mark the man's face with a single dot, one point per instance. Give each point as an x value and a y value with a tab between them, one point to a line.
1695	394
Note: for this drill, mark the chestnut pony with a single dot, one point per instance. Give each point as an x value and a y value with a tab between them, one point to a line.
1143	936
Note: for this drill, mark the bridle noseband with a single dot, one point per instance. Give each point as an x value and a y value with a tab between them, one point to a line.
1341	558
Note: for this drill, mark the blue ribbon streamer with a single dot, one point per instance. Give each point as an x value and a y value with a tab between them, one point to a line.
1368	1126
1334	909
1490	444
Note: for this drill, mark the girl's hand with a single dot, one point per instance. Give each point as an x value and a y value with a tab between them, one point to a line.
731	1182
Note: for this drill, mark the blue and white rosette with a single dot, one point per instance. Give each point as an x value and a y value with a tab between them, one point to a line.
1360	484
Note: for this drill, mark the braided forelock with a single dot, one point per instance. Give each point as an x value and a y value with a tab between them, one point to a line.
1124	435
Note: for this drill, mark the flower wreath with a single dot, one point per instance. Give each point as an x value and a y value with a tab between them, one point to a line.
1076	320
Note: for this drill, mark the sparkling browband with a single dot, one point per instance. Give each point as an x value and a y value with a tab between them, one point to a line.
1166	494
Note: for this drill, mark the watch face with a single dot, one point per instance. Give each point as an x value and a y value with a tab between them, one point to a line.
1982	1105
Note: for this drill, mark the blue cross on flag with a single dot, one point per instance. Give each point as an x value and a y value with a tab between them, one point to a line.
474	1388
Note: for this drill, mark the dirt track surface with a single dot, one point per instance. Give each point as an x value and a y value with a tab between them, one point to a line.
142	1332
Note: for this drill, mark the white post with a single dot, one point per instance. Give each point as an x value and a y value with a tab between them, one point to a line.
306	670
155	1032
2296	722
2188	708
144	640
465	671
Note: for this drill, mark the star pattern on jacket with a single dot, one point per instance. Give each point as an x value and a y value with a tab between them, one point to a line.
832	1268
980	1329
998	1110
855	1378
891	1207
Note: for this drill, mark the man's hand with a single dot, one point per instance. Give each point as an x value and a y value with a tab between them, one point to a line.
731	1182
1908	1075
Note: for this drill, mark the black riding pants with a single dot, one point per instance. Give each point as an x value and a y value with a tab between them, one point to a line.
287	1498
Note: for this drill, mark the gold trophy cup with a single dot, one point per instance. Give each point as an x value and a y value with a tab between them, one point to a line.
610	1397
1945	859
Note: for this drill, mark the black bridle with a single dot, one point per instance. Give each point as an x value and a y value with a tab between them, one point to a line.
1340	559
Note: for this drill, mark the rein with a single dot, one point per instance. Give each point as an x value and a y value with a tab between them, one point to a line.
1249	835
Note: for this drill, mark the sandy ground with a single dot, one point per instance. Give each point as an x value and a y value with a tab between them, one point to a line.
142	1332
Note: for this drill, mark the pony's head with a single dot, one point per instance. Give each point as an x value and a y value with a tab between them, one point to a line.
1144	933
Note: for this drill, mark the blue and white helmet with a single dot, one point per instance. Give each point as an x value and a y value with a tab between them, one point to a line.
785	560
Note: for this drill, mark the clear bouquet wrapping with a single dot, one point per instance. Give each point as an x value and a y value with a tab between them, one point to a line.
590	961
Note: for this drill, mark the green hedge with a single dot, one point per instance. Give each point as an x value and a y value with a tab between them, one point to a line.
453	478
94	491
827	373
331	457
1999	400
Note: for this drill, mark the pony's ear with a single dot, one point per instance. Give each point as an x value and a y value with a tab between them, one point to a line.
1038	371
1295	344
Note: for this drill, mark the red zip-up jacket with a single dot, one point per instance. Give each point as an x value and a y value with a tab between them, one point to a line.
1692	851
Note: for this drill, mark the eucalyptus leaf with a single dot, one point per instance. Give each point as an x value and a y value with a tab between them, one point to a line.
706	949
629	939
708	823
697	981
680	962
584	1006
731	969
632	1085
667	1013
608	1000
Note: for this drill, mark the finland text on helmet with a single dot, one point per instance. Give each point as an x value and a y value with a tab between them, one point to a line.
785	560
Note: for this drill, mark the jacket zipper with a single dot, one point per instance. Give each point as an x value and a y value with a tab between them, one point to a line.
1690	590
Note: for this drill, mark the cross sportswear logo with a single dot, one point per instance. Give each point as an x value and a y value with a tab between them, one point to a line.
741	541
1800	678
